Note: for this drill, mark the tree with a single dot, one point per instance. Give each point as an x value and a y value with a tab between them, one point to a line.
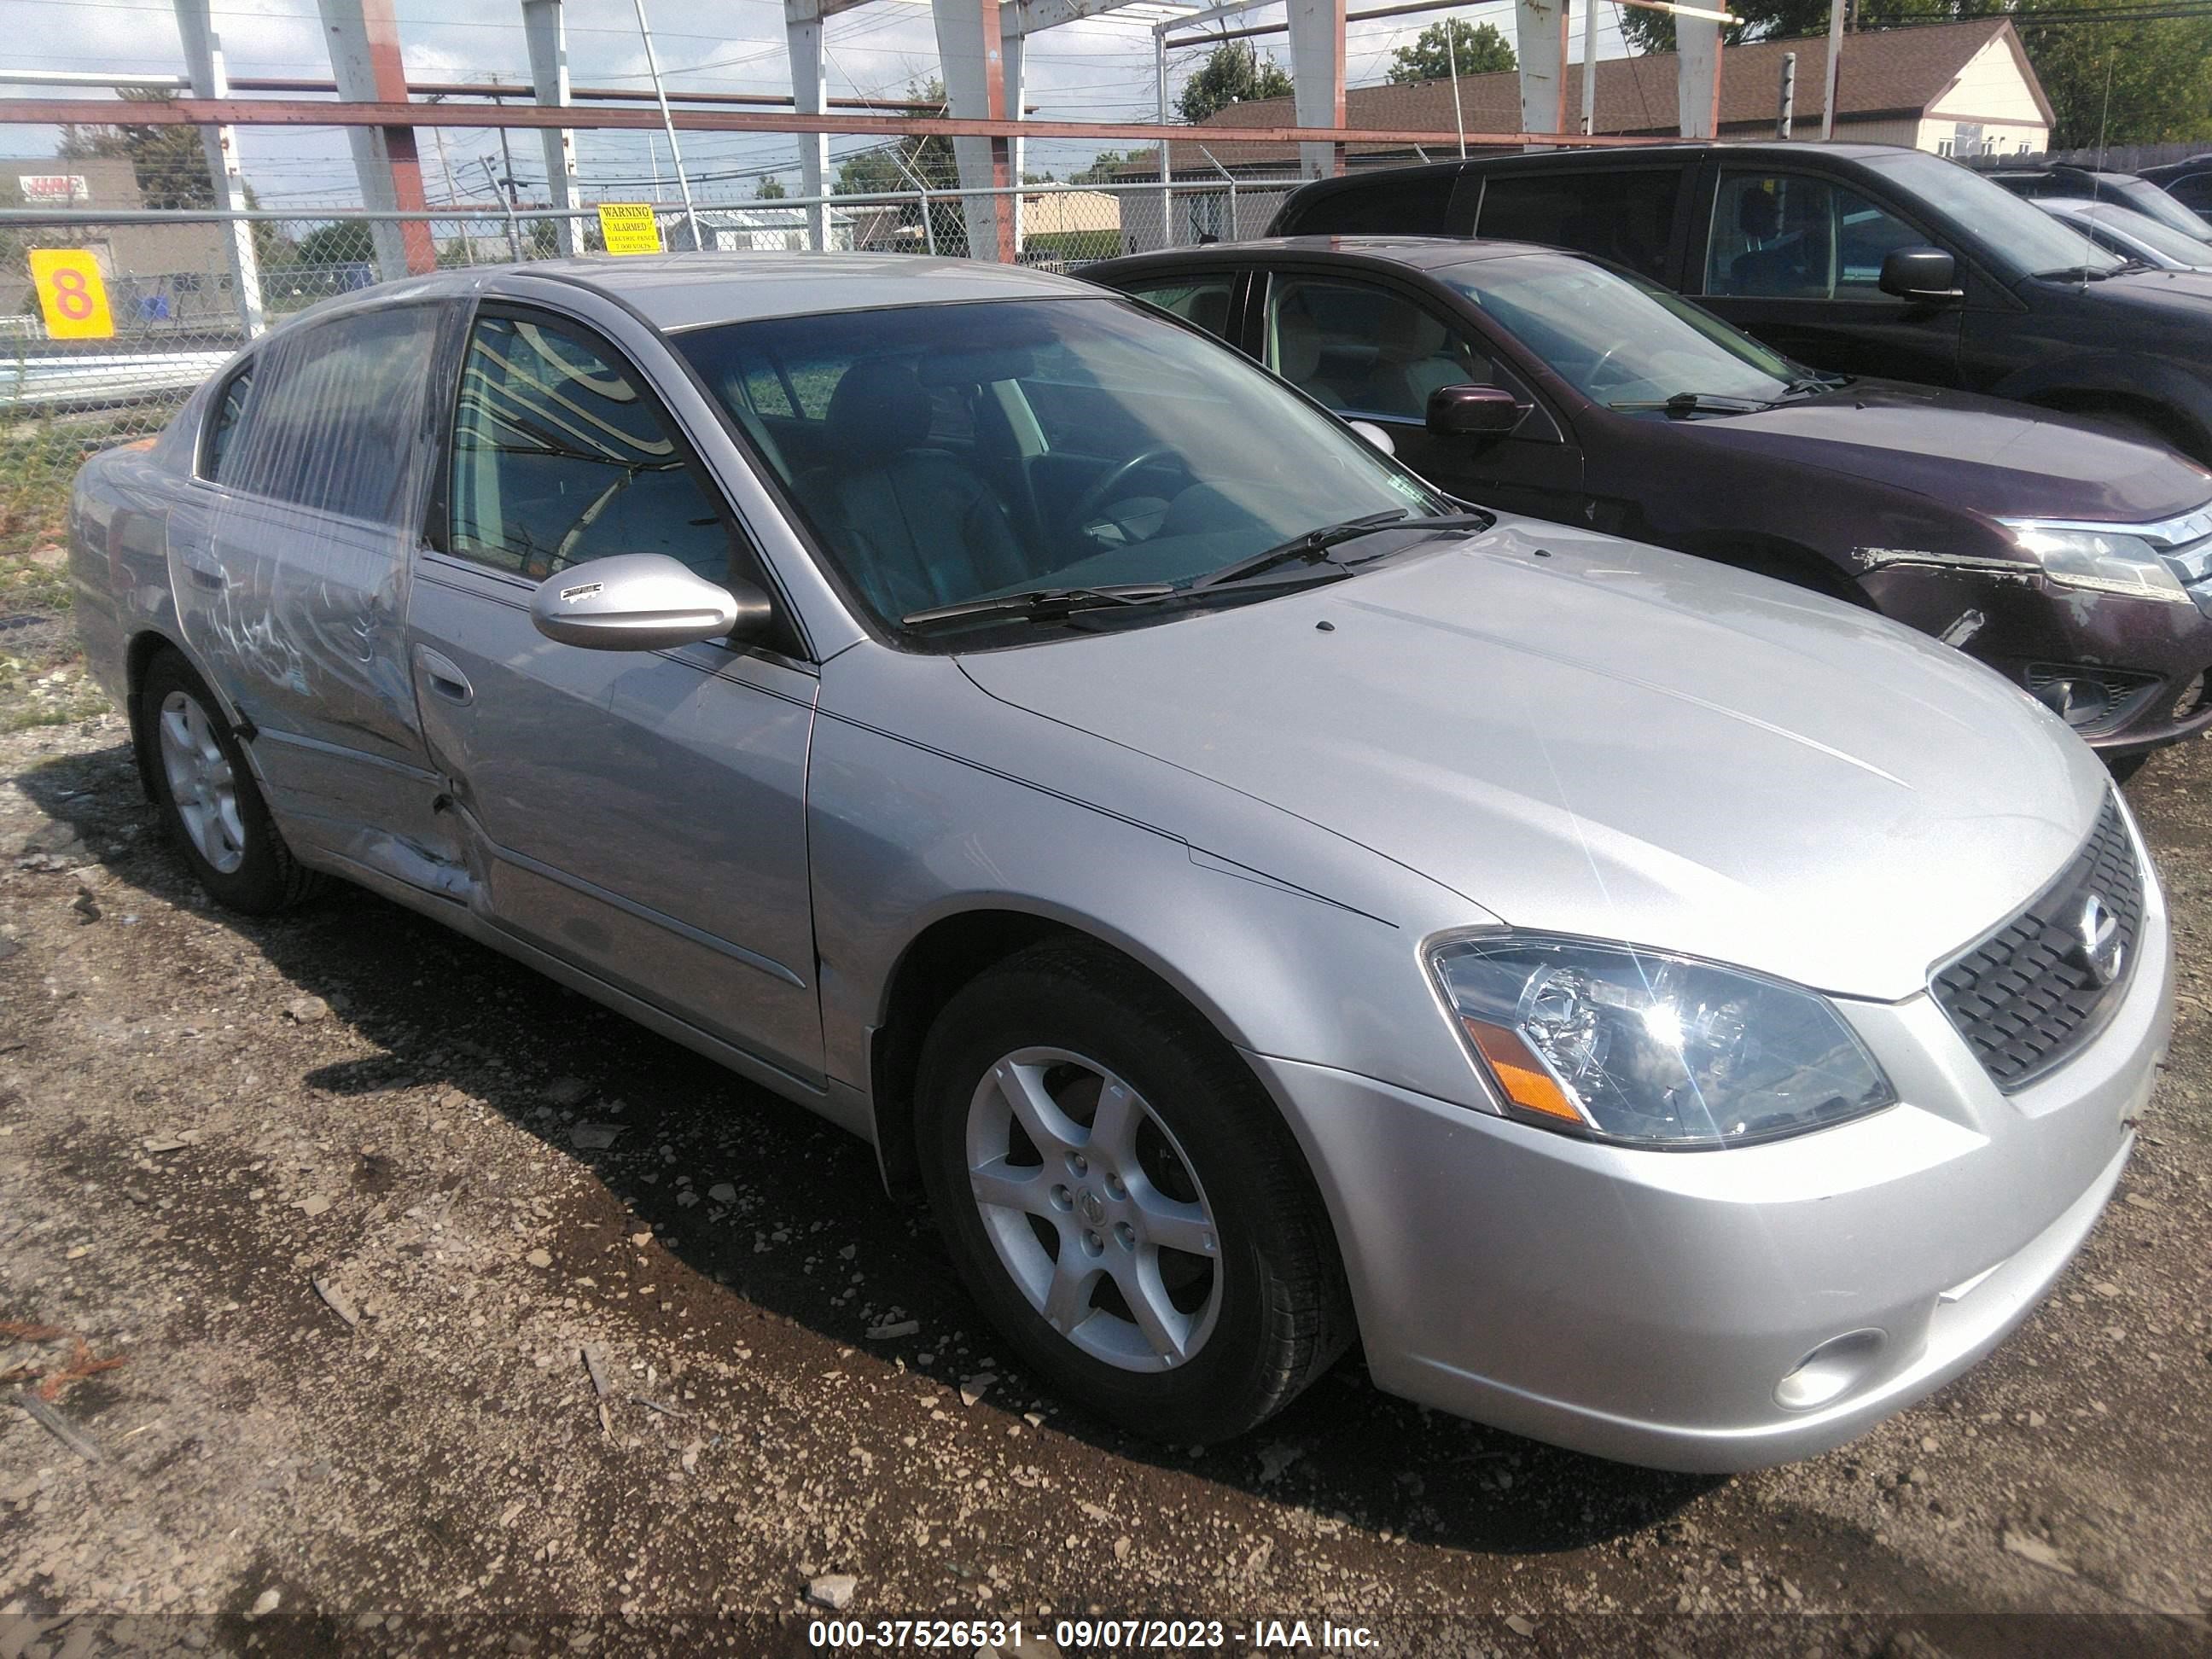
1233	74
169	163
1103	168
343	242
1478	49
893	167
769	188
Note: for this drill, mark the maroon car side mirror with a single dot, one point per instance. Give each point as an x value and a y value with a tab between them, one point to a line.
1460	411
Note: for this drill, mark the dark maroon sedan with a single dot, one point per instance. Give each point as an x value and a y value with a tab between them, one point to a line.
2077	563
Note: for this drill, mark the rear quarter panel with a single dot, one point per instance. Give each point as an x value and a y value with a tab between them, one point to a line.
118	547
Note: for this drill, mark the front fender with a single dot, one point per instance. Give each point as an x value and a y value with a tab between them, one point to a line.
2181	392
906	833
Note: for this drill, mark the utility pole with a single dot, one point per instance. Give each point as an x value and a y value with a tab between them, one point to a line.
514	229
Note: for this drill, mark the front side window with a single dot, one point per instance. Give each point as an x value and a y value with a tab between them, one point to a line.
1626	216
559	456
1785	236
1201	300
1618	340
337	415
1364	351
1108	447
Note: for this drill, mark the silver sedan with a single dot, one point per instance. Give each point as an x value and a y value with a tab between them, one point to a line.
1258	904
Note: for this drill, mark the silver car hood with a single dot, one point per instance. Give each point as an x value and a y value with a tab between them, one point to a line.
1612	740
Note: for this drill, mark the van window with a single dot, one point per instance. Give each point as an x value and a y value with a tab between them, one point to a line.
1792	236
1626	216
337	415
1407	204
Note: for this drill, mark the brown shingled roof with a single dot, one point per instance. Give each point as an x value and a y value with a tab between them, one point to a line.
1888	73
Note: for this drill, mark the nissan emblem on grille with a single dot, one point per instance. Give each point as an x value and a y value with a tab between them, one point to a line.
2029	995
2102	950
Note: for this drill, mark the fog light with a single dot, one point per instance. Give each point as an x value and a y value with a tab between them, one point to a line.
1830	1371
2078	702
2088	696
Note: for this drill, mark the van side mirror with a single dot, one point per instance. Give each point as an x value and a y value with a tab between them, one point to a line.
1459	412
643	602
1925	274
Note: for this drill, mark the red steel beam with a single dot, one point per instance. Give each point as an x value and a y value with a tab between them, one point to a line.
592	94
288	113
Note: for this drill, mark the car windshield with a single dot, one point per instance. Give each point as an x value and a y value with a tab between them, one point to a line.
1619	339
2175	246
2016	233
2147	199
947	454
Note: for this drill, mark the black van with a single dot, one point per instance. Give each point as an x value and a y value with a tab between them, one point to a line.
1856	259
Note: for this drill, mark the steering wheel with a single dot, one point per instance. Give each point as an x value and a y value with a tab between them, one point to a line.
1103	491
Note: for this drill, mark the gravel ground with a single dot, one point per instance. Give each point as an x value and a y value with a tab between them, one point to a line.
349	1200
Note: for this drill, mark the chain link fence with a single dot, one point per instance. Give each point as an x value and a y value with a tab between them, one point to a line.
186	289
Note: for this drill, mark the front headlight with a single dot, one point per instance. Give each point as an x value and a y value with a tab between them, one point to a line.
1650	1049
2100	561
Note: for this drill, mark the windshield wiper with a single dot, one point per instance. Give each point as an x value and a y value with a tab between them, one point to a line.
1314	544
2079	274
1698	403
1808	385
1042	604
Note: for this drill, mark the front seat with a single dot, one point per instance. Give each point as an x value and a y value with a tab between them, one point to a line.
1413	356
918	527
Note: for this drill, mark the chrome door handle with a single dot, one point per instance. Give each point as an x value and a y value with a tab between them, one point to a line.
443	679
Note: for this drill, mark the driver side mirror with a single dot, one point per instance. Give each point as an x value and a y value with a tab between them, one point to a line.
1460	411
1925	274
643	602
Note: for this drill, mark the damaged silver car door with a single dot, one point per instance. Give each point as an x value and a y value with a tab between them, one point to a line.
289	560
638	813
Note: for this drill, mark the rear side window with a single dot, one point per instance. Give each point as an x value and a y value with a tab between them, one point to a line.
1627	216
1408	203
223	424
1201	300
334	414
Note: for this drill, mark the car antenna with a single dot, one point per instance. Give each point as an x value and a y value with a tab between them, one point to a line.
2103	117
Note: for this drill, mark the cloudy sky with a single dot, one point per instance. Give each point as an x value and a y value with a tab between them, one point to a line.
1101	69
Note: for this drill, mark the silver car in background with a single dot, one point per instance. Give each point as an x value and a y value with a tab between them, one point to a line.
1261	904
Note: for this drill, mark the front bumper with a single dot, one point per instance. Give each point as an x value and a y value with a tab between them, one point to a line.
2025	627
1649	1306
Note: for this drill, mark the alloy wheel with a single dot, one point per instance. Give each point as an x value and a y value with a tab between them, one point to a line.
1093	1209
201	782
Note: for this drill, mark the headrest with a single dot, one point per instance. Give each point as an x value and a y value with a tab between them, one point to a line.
1408	334
1298	341
1209	309
878	409
1756	214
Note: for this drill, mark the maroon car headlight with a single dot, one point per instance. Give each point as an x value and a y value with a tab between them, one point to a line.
1646	1048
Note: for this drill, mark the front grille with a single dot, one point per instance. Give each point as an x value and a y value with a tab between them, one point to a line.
2025	998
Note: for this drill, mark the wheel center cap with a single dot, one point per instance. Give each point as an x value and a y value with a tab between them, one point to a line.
1094	1210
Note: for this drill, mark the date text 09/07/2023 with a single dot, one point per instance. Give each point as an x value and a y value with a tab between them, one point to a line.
1084	1635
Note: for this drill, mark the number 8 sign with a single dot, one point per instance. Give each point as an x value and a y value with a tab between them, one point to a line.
72	294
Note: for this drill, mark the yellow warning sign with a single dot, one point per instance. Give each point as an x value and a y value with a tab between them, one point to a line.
629	228
72	294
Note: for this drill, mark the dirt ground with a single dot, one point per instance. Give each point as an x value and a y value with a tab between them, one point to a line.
349	1198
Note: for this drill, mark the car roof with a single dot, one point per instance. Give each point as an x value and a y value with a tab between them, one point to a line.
1418	252
676	291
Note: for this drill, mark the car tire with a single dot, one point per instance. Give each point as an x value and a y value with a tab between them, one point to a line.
1168	1342
209	802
